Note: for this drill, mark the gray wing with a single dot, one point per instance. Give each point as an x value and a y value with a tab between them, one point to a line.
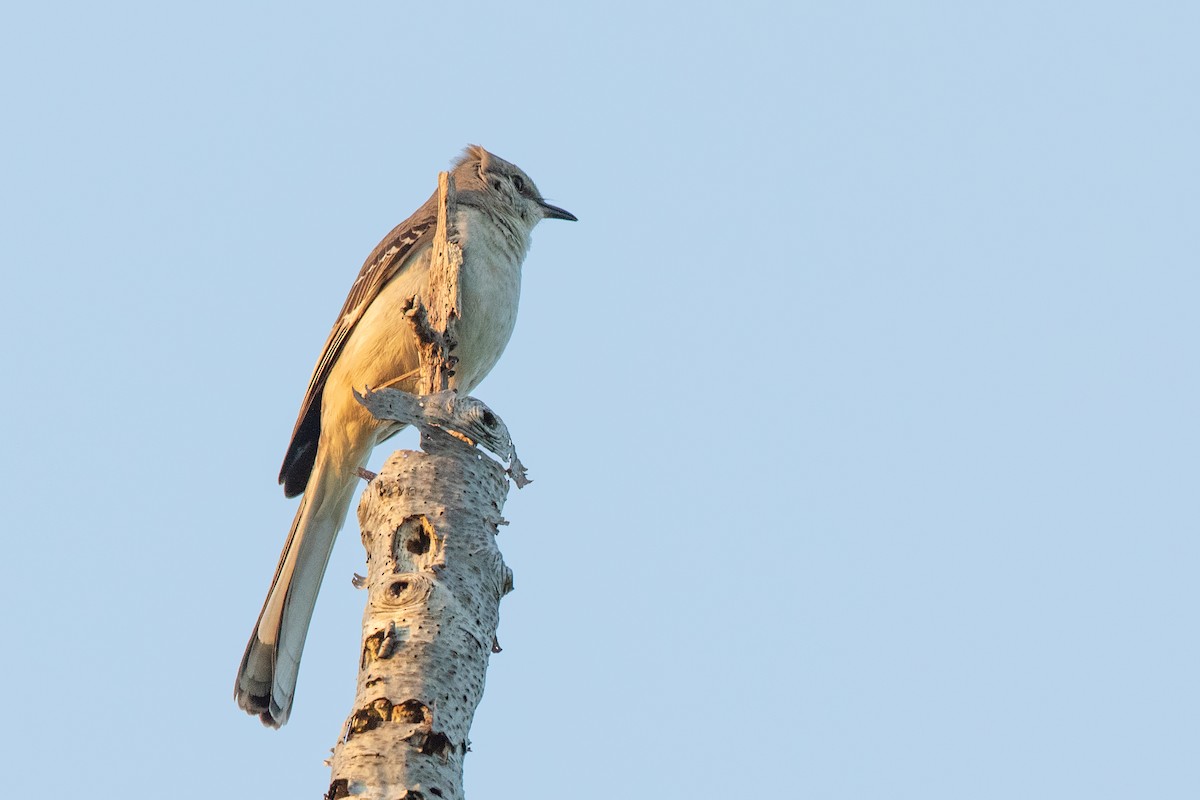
388	259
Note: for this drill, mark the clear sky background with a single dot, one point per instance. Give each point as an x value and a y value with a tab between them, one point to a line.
861	402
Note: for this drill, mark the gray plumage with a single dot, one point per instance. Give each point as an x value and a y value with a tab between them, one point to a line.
372	345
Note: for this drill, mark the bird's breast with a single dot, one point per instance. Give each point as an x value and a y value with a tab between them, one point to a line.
383	346
490	284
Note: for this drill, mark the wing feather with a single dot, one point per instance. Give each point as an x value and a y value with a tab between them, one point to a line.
387	260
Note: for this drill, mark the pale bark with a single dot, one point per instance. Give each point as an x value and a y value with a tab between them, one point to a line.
434	573
434	324
434	579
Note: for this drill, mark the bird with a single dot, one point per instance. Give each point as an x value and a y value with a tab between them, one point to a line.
373	344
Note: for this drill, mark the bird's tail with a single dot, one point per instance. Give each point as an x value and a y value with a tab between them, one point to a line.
266	680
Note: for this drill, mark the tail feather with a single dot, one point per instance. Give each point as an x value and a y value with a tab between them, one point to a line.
266	681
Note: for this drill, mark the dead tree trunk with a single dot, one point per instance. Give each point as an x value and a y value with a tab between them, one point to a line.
434	573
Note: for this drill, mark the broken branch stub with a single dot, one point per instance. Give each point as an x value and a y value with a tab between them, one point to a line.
434	319
440	416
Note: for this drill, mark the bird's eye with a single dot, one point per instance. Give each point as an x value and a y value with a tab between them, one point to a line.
519	182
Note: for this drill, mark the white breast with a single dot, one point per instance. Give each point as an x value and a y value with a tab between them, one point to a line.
491	291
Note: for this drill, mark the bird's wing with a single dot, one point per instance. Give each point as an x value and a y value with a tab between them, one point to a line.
390	257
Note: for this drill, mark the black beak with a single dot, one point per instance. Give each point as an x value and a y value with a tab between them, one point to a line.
554	212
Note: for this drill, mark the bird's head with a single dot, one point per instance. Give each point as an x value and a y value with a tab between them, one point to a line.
504	185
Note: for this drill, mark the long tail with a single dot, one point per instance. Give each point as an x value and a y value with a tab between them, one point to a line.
266	680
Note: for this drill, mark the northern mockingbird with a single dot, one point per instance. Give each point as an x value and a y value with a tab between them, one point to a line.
372	345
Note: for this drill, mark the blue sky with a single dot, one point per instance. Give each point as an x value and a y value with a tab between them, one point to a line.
860	402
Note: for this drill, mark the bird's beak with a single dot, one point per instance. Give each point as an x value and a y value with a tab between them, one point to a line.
554	212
